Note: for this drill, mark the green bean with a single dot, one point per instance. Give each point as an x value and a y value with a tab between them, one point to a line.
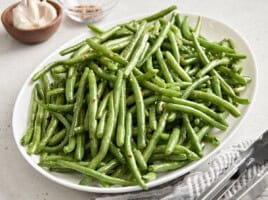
131	98
178	150
178	36
119	171
117	93
234	76
211	139
215	83
163	167
109	166
106	137
53	157
177	20
79	130
101	73
148	75
236	56
62	119
164	157
46	85
156	29
153	141
93	106
216	100
213	46
145	50
70	84
202	132
26	139
117	45
102	105
127	52
136	54
86	125
172	141
111	44
195	112
107	34
195	143
163	67
171	117
139	159
49	132
212	65
58	147
197	26
57	137
108	63
183	136
71	61
225	86
149	176
132	26
196	106
194	85
101	125
176	67
240	100
93	173
129	154
106	52
120	134
101	88
189	61
159	81
40	92
57	107
164	136
95	29
158	42
71	145
116	152
152	118
56	91
204	59
140	112
159	90
159	14
33	146
80	143
82	50
72	48
79	102
174	47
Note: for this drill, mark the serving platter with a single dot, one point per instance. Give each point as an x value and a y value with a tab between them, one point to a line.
213	30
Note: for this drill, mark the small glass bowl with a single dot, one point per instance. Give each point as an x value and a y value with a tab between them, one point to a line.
87	11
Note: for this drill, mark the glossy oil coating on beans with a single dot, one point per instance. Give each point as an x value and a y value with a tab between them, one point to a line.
138	99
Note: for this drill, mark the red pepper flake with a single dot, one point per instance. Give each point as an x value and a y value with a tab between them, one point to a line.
129	156
94	100
86	11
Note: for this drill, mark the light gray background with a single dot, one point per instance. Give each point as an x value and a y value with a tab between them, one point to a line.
18	180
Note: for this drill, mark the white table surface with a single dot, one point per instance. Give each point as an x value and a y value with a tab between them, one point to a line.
18	180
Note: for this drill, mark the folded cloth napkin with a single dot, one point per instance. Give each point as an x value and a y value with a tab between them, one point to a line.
194	184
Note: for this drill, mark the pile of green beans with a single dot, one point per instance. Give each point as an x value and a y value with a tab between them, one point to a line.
135	100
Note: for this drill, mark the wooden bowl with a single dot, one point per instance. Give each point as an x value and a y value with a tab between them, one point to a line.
35	35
